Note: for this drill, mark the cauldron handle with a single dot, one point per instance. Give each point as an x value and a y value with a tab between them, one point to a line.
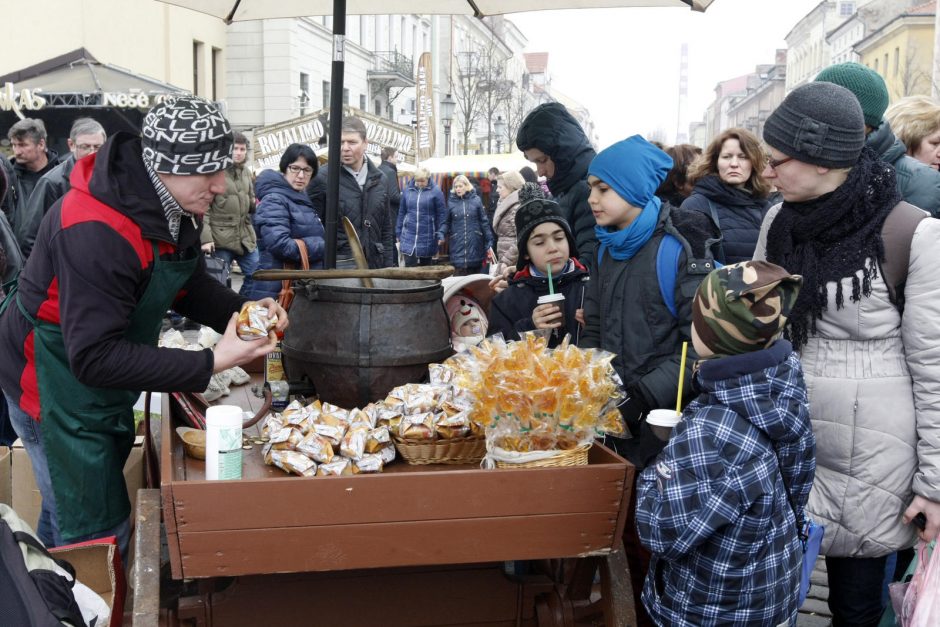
265	408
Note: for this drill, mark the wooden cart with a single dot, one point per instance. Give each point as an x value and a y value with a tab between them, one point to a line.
431	545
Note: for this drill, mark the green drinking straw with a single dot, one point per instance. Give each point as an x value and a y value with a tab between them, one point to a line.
551	286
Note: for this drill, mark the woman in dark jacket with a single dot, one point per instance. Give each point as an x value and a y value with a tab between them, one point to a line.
729	187
285	214
420	219
468	226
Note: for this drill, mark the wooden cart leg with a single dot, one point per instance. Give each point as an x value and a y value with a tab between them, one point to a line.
616	591
145	571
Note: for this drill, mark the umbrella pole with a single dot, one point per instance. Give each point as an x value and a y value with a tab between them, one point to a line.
336	124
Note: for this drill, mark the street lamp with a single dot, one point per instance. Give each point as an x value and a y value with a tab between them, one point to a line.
447	116
500	127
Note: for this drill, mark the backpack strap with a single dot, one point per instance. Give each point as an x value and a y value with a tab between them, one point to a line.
667	268
714	215
897	233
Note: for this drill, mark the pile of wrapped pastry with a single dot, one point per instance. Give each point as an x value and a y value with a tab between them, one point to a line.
323	440
435	411
530	398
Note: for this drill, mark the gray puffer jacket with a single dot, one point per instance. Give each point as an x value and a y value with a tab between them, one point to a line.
918	183
504	227
873	377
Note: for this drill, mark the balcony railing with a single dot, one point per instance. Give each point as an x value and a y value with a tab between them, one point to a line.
392	61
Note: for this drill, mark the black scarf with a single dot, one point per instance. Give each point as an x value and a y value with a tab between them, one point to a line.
833	237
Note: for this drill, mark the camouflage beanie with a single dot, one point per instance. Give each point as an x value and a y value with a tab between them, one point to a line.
743	307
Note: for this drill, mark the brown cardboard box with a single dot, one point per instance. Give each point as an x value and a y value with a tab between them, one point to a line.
25	494
98	566
6	478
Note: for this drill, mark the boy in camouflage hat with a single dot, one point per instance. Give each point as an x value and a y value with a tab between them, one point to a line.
721	508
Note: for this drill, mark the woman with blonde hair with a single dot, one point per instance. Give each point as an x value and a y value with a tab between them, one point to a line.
468	227
915	120
421	215
508	185
728	186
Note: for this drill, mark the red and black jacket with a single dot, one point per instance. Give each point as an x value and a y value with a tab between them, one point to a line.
90	265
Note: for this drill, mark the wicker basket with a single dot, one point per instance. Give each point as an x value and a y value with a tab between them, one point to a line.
469	450
577	456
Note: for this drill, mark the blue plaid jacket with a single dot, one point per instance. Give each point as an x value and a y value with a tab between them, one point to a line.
718	509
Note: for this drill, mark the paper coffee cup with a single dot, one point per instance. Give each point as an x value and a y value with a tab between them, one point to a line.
554	299
662	422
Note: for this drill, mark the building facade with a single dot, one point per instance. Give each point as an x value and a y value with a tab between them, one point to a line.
902	51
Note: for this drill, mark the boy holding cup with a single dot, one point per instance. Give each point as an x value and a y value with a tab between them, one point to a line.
549	288
721	507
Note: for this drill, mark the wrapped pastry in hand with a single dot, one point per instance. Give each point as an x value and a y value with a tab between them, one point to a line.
253	322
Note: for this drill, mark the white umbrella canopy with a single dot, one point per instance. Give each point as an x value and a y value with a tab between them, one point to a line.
241	10
245	10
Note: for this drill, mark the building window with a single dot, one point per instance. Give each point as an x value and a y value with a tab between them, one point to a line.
897	60
304	92
216	73
362	30
345	96
846	9
886	64
197	67
326	94
378	107
876	65
362	102
401	36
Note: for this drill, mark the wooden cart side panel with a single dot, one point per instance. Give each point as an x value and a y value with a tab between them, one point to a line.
396	497
629	480
379	545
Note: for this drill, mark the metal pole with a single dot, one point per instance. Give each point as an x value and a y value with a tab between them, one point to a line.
336	125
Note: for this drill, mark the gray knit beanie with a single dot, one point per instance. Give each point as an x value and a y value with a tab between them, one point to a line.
820	124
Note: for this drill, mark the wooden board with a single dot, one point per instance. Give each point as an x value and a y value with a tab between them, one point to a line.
270	522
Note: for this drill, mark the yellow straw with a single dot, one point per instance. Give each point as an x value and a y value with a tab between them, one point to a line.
685	350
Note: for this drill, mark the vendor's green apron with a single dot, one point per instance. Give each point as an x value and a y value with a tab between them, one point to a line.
88	432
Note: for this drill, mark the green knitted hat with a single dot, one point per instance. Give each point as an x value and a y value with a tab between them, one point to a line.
743	307
865	83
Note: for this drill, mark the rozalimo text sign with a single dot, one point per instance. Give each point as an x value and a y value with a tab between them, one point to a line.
269	142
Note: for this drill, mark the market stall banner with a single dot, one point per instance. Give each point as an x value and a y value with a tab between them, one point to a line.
424	99
269	142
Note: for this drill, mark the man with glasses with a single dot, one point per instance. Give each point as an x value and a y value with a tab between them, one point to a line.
227	230
363	198
31	159
85	138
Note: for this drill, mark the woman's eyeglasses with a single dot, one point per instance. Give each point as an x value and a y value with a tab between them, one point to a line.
297	169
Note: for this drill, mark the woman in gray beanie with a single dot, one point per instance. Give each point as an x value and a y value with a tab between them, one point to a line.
872	373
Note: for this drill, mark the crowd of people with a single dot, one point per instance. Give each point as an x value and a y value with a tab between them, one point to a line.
798	266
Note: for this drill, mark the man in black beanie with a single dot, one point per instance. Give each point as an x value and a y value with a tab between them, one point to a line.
554	141
79	336
865	324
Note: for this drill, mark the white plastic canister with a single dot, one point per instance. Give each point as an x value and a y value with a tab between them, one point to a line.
224	442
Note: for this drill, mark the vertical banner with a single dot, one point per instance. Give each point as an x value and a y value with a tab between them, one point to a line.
424	105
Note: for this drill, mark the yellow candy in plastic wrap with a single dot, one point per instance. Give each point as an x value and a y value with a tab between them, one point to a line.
531	398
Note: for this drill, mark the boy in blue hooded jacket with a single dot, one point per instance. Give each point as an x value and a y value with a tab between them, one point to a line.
721	507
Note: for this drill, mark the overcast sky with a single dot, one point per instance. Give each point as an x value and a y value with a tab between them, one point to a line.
623	64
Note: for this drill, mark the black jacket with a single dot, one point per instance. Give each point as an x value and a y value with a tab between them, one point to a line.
550	128
52	186
625	314
8	199
390	170
918	183
511	310
736	212
25	182
366	207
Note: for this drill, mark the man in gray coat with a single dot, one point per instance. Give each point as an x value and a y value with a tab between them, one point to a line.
918	183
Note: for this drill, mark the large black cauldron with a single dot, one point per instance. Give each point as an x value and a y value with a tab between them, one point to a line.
358	343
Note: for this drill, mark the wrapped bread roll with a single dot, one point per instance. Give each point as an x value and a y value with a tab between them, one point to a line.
336	468
287	439
367	464
295	463
317	448
450	427
333	433
387	453
360	418
378	439
417	427
354	442
253	322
